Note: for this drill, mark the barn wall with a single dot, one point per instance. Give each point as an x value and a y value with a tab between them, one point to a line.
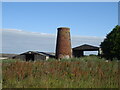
20	57
36	57
40	57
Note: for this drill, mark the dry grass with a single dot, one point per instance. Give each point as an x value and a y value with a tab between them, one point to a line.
86	72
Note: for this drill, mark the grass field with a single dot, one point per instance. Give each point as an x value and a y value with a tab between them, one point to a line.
85	72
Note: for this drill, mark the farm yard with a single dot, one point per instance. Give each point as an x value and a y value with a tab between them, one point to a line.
60	45
84	72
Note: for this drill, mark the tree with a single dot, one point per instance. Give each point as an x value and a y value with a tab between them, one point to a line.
111	44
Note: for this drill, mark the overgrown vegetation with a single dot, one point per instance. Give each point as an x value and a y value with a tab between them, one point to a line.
86	72
111	45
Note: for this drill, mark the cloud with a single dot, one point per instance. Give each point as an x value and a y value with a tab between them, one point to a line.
18	41
79	40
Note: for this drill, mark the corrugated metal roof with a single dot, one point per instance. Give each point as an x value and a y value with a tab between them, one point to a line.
41	53
47	54
86	47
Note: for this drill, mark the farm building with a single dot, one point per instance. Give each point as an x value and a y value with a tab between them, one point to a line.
7	56
32	56
79	51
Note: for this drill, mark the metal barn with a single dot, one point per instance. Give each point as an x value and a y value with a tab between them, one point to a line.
79	51
33	56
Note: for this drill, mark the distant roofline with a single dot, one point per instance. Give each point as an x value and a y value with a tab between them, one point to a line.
37	52
87	45
82	47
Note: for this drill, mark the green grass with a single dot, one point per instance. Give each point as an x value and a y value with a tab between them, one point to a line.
9	60
85	72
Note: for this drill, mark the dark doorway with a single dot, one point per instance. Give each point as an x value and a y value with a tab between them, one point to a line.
29	57
77	53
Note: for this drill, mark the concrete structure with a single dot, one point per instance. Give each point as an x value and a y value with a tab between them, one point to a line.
78	51
33	56
63	45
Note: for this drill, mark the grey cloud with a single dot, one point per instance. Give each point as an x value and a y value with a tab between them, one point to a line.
17	41
86	40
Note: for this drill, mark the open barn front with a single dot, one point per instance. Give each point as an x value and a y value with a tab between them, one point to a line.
88	53
80	50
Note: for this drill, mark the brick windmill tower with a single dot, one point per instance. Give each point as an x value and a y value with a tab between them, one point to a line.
63	45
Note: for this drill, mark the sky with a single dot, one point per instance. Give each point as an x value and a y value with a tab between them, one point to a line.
119	13
83	18
60	0
33	26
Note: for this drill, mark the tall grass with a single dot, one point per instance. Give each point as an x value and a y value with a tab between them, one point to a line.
86	72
